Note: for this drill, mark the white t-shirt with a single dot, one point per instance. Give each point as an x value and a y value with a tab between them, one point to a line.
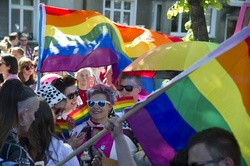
58	150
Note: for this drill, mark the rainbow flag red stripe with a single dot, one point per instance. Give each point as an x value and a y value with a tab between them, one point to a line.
123	103
62	129
73	39
80	115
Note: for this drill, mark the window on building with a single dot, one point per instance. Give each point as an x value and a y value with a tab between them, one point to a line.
230	26
120	11
157	13
178	23
23	17
238	2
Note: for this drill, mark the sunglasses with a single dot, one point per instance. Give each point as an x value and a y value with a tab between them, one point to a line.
29	67
100	103
58	111
23	40
72	95
128	88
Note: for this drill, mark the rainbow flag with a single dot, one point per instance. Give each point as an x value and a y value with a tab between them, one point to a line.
215	94
139	40
62	129
73	39
80	115
121	104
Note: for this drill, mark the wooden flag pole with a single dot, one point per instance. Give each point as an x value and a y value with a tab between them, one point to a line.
212	55
133	109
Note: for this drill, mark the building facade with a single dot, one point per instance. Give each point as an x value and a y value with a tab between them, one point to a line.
23	15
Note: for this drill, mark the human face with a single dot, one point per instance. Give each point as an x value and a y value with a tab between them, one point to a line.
97	113
82	78
3	67
28	69
128	87
59	108
24	41
70	92
198	155
108	76
28	113
15	42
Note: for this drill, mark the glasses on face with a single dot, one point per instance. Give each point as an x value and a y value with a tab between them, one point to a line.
1	63
29	67
128	88
72	95
58	111
100	103
206	162
23	40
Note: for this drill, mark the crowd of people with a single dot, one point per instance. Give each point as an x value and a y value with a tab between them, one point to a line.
28	117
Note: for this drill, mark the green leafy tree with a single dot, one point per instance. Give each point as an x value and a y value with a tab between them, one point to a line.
197	28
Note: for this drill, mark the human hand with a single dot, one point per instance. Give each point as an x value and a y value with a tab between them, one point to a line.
70	123
97	161
76	140
114	126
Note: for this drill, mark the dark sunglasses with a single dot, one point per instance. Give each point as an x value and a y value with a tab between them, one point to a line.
23	40
207	162
128	88
72	95
100	103
58	111
29	67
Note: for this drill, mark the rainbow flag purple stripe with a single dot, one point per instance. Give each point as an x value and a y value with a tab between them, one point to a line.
216	94
73	39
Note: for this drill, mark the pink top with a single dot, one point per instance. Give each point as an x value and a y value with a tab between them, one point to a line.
12	76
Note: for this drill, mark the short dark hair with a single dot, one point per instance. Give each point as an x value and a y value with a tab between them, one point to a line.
11	61
219	142
64	82
123	76
102	89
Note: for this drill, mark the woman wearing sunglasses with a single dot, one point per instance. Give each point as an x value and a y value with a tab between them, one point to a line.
57	101
66	85
8	67
101	99
26	72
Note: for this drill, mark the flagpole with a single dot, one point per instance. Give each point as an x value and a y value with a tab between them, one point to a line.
133	109
225	46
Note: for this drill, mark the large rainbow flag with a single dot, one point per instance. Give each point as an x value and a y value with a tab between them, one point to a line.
216	94
73	39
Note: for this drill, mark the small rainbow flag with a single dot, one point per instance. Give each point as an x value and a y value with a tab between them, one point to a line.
80	115
123	103
62	129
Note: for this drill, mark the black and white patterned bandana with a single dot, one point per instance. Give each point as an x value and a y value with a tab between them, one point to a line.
50	94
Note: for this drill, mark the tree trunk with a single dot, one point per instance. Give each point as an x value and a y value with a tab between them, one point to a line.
198	21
